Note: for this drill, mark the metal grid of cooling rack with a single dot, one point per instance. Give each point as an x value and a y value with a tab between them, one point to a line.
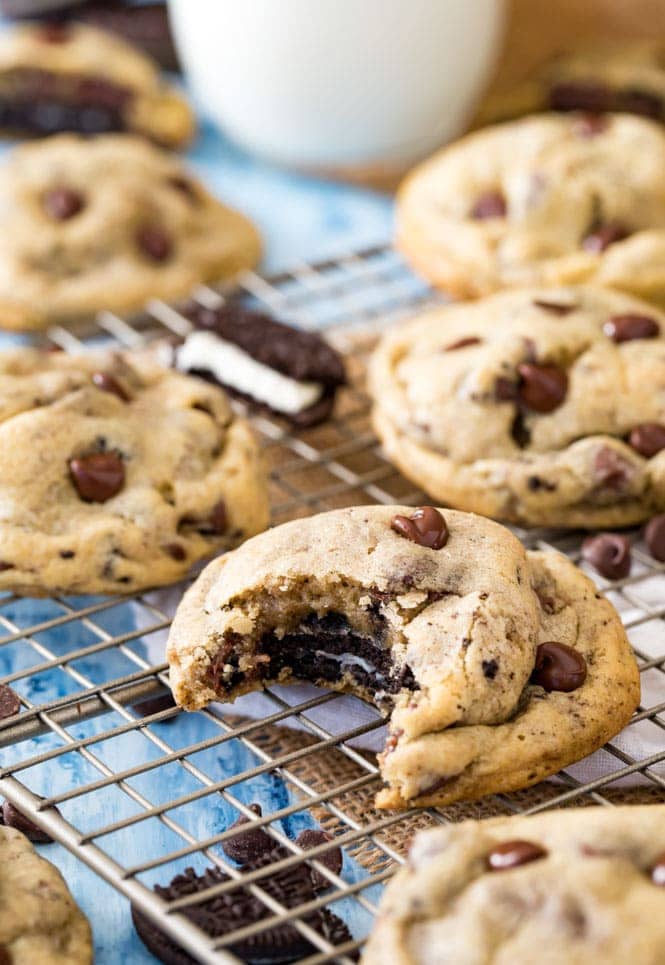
82	668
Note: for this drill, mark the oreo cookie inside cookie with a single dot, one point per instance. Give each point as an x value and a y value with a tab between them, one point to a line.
292	373
235	909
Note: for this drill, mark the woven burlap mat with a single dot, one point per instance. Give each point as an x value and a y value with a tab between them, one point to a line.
326	769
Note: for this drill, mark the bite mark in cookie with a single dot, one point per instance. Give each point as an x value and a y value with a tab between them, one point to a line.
292	372
451	640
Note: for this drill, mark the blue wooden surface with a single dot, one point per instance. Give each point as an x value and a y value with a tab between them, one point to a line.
301	219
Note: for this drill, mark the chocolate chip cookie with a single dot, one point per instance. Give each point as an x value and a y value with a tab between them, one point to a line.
107	224
40	923
626	78
543	407
116	473
559	888
547	200
497	667
57	77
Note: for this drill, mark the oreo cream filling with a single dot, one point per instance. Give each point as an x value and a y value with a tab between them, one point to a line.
233	367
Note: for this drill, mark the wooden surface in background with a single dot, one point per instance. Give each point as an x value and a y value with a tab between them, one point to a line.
539	28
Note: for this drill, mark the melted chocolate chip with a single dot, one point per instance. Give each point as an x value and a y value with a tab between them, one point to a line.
627	328
654	537
107	383
10	703
312	838
5	565
6	957
249	844
505	390
538	484
490	668
154	242
512	854
176	551
67	554
463	343
543	387
62	203
612	470
609	554
183	186
54	32
219	519
555	308
604	235
558	667
658	871
648	439
491	204
98	476
590	125
519	431
426	527
13	818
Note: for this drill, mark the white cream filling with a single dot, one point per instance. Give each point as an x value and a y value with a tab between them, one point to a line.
347	660
232	366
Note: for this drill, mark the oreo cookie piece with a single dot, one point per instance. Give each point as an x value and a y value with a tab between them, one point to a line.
235	909
292	373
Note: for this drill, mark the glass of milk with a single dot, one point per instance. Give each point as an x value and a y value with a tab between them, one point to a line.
338	84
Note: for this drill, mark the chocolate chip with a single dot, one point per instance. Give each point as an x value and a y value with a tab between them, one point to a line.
248	845
537	483
658	871
604	235
184	187
654	537
512	854
176	551
519	431
542	387
219	519
6	957
612	470
558	667
4	565
67	554
61	204
463	343
312	838
98	476
590	125
13	818
10	703
491	204
107	383
555	308
505	390
426	527
54	32
490	668
648	439
627	328
609	554
154	242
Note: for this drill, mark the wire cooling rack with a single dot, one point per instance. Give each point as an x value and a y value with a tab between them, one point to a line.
86	742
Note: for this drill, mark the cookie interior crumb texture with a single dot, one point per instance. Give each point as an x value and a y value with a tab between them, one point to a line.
567	207
544	407
561	888
461	644
116	473
106	224
57	77
40	924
